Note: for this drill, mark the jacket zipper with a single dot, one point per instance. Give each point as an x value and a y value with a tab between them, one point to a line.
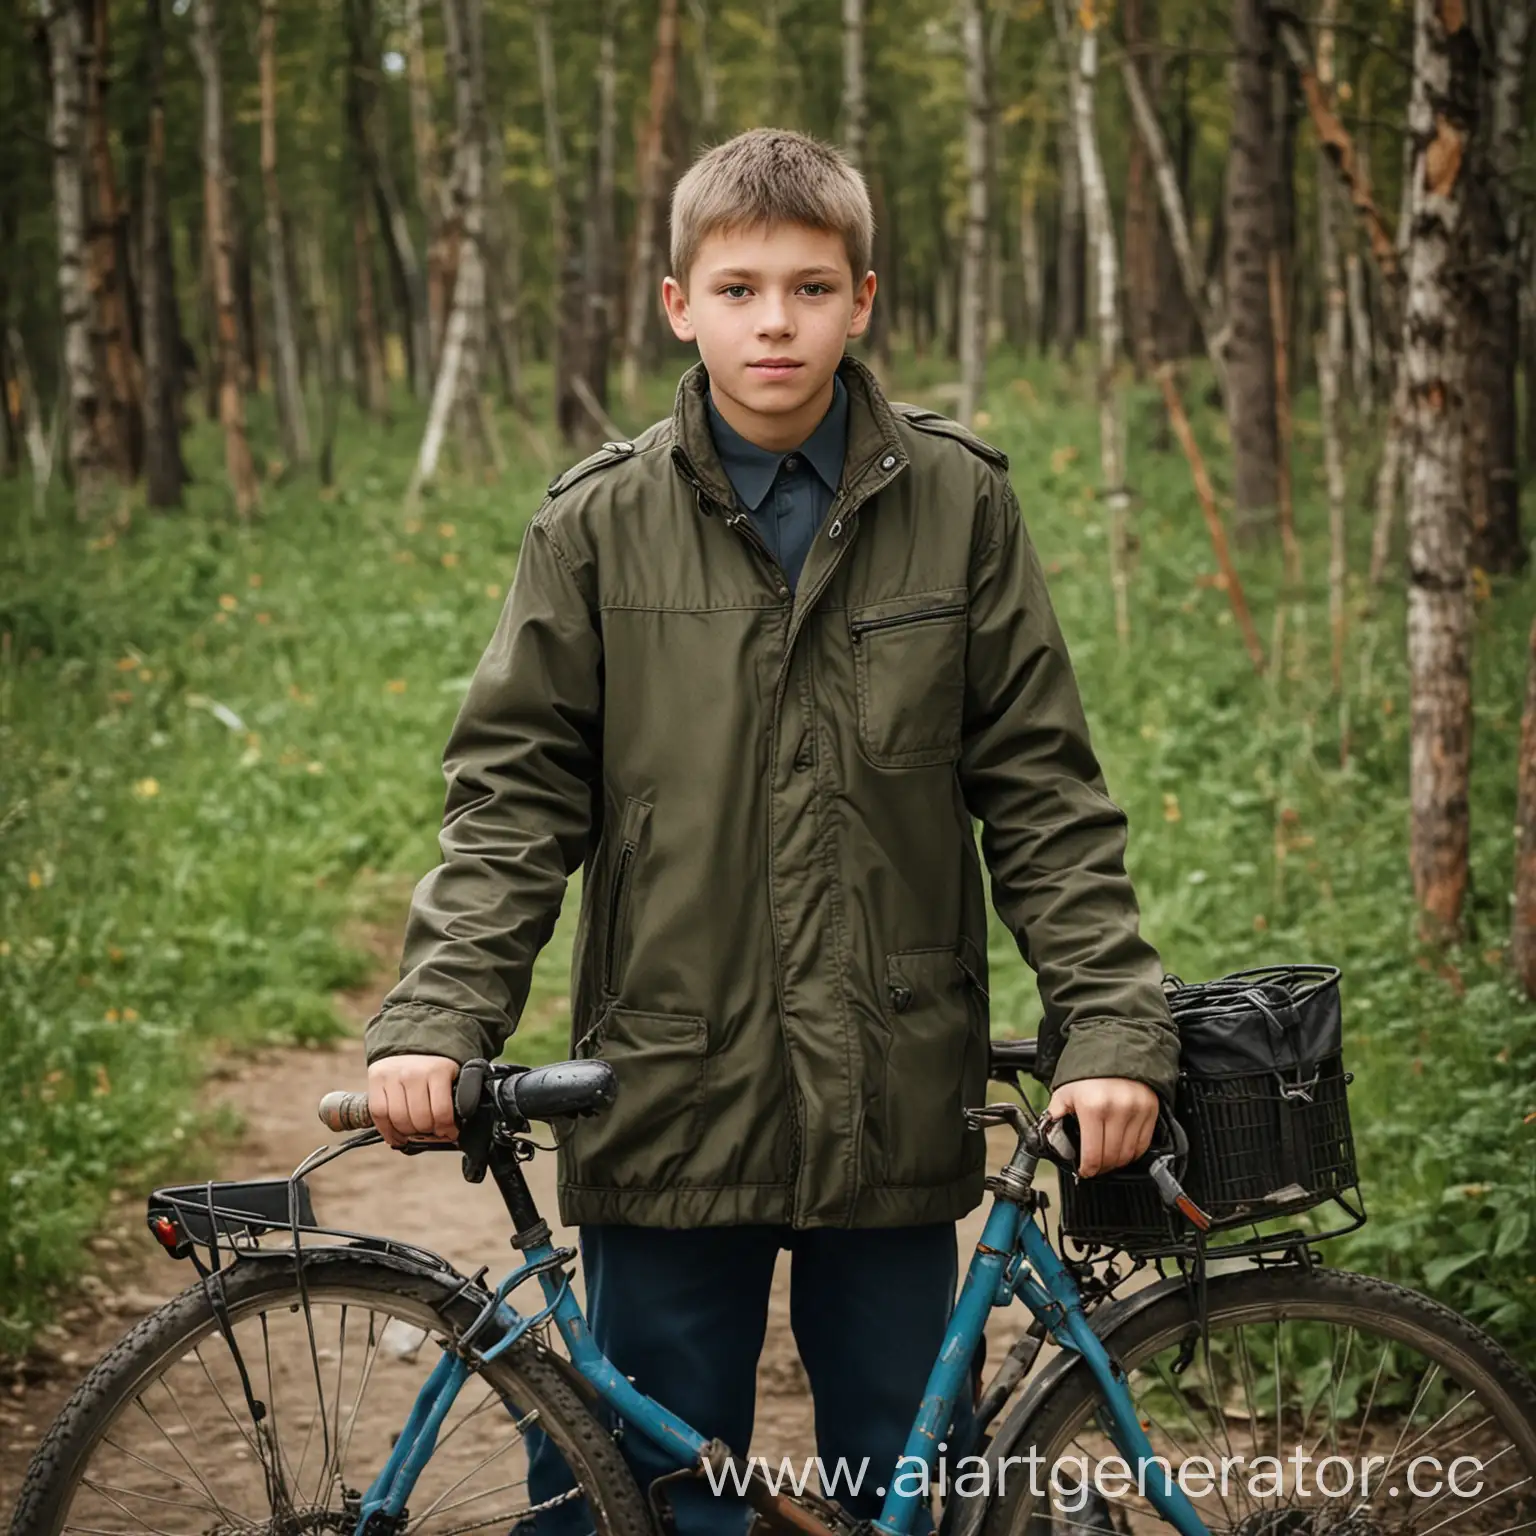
615	911
861	627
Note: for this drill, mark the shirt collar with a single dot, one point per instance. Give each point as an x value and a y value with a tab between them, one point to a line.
752	469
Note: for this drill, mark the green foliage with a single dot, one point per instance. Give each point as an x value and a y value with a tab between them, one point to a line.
221	744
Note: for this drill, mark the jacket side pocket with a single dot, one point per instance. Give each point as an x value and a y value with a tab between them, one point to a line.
645	1138
935	1067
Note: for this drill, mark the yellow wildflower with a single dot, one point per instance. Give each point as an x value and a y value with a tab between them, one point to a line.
147	789
228	602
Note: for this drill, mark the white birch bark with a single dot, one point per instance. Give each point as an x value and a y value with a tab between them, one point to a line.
88	459
1442	106
973	270
456	394
1101	244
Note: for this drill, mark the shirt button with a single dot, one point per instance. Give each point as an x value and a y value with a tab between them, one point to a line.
792	463
888	462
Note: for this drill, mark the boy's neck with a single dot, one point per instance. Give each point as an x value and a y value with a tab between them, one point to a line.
776	433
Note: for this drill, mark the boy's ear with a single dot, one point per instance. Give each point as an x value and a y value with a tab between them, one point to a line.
674	299
863	303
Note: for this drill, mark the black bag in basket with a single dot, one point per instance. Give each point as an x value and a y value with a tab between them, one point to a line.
1261	1096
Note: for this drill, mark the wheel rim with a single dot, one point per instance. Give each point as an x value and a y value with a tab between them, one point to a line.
182	1453
1368	1426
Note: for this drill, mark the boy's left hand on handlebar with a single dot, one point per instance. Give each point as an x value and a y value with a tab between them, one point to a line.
1115	1120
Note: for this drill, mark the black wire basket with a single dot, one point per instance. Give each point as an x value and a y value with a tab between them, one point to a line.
1262	1096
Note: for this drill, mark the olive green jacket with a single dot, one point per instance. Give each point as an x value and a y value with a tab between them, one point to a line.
781	947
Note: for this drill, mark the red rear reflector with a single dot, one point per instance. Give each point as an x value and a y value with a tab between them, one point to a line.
165	1231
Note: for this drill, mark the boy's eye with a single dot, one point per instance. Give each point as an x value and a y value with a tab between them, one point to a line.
735	290
824	287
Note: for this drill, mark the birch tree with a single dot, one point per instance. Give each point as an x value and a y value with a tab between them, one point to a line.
973	270
86	436
1442	119
456	394
1101	244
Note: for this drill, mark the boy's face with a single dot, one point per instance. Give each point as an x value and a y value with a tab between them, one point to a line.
770	309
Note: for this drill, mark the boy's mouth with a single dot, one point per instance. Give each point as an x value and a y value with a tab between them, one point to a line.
774	367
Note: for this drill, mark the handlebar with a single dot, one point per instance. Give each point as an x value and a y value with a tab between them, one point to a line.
342	1111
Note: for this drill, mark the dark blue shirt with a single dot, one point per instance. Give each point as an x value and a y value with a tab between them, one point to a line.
786	494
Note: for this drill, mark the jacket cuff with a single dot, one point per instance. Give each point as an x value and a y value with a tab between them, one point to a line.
411	1029
1146	1051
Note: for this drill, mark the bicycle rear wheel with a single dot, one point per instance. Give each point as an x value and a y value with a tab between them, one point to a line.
1333	1369
159	1438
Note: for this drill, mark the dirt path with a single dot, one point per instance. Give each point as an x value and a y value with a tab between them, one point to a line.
422	1199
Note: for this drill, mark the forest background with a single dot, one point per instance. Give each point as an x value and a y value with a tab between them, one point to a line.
302	305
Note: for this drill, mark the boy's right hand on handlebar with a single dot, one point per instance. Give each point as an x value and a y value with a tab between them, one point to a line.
411	1098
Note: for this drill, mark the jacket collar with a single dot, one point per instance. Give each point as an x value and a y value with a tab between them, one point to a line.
752	470
874	452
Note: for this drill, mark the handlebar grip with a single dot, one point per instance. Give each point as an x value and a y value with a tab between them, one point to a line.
341	1111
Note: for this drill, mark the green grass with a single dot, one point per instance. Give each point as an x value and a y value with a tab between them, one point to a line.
219	747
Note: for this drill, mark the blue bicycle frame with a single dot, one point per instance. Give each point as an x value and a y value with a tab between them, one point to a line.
1013	1258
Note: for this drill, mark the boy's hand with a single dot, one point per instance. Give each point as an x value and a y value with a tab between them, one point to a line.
1115	1120
411	1097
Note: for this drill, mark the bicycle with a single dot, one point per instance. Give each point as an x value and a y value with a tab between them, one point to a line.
239	1406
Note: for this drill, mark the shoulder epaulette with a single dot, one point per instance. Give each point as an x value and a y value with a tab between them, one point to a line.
943	426
609	453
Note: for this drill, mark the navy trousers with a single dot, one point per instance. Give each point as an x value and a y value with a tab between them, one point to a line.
684	1313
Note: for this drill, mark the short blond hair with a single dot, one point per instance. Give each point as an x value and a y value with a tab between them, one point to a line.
766	177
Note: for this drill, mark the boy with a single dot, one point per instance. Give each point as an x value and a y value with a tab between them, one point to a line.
757	672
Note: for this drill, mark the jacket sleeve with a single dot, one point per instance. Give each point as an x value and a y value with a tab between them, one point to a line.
1053	840
519	765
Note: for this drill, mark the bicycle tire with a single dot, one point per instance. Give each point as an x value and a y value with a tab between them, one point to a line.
266	1290
1363	1305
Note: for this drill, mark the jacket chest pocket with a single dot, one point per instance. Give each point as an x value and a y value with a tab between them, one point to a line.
909	669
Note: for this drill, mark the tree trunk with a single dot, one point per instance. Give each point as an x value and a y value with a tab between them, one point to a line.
317	302
599	236
1522	938
237	451
855	110
1143	233
1069	241
164	473
1150	135
372	386
457	394
704	70
1101	243
650	201
973	272
88	432
285	353
114	338
1528	348
1442	120
1330	370
1031	265
429	183
1363	347
1250	243
1494	209
504	279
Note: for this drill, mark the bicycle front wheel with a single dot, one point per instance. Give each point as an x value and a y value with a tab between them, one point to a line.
1318	1402
161	1438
